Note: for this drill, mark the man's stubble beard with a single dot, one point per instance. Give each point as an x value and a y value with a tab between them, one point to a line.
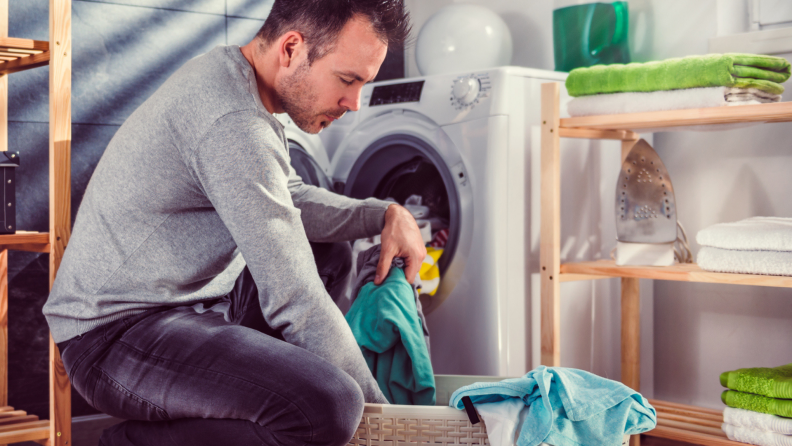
298	99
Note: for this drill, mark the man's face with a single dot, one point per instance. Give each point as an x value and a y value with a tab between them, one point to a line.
316	95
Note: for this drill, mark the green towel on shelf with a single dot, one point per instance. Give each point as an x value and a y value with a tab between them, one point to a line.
765	73
386	325
757	403
772	382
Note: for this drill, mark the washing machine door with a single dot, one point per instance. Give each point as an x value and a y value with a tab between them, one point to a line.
402	154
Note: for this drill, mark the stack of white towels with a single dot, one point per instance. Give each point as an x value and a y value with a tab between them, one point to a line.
636	102
757	245
757	428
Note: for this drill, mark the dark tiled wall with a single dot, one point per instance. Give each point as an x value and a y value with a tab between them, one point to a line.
123	50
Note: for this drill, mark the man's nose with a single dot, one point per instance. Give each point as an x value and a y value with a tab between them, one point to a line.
352	101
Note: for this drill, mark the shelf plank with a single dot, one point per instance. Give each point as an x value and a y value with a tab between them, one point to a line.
775	112
33	434
689	272
22	54
684	435
26	241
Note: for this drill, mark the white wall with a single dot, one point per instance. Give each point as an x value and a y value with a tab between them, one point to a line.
698	330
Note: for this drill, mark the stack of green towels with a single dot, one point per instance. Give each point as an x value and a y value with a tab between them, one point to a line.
689	82
751	394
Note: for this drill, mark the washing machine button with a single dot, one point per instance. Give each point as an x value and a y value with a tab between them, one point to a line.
466	90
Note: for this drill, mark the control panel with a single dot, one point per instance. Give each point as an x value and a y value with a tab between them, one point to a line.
396	93
469	90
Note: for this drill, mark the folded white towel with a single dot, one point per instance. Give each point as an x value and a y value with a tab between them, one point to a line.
772	263
755	436
755	420
756	233
615	103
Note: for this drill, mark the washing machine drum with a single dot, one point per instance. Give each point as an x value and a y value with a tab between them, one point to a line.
307	168
400	166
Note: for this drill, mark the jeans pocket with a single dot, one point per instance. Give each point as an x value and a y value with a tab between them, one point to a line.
112	398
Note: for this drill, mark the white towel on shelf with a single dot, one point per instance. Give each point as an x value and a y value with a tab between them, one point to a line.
772	263
756	233
755	436
755	420
636	102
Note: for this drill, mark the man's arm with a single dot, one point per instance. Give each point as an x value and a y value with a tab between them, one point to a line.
243	168
330	217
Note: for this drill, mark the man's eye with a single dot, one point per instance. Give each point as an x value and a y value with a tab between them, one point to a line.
346	81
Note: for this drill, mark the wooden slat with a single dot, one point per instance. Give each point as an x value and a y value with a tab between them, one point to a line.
687	407
578	277
25	425
550	243
598	134
22	44
6	408
681	273
25	63
38	433
12	414
689	420
18	419
687	436
714	431
776	112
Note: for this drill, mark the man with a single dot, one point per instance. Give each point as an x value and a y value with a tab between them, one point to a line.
189	301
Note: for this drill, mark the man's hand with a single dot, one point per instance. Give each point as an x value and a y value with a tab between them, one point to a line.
400	238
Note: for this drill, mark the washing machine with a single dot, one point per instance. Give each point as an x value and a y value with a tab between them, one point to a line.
462	142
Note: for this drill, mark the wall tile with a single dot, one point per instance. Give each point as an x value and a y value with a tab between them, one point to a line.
31	140
252	9
241	31
122	54
207	6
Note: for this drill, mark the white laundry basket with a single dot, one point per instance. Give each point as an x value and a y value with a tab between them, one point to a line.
440	425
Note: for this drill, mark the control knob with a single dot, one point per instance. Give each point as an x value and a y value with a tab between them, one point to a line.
466	90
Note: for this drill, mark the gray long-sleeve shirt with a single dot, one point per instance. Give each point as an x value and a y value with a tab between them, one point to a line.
196	184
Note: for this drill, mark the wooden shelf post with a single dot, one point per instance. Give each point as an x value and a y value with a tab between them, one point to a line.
549	250
3	253
60	198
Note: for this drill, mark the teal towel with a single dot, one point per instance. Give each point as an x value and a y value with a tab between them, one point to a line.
775	382
568	407
757	403
385	323
765	73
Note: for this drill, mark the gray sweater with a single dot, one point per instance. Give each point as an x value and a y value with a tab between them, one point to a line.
196	184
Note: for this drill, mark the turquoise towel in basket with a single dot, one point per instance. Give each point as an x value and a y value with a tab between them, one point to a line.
568	407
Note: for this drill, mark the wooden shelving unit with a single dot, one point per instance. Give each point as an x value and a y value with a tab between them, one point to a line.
675	421
18	55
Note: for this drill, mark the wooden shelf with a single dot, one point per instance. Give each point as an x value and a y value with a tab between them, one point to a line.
689	424
22	54
26	241
17	426
689	272
649	121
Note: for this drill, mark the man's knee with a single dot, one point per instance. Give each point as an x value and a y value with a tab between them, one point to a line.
337	404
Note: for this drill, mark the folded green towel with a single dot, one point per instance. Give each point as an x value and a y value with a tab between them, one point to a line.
757	403
773	382
765	73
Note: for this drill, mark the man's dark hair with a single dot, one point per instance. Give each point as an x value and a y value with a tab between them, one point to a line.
320	22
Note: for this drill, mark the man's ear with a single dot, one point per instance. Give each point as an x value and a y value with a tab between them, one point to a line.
291	44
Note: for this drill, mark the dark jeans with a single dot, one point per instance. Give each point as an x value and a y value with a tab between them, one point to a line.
181	377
